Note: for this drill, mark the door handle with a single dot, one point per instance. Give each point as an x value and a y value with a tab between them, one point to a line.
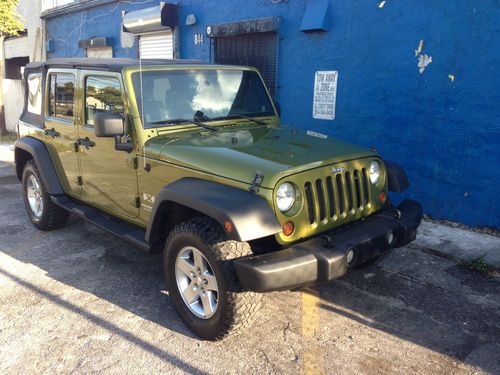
52	132
86	142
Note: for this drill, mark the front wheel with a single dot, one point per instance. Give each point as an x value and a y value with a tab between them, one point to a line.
202	281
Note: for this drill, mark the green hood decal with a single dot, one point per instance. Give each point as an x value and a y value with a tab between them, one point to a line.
237	153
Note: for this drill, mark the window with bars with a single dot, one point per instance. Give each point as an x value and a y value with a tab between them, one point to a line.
253	49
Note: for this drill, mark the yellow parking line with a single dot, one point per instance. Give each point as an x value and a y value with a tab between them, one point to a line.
312	361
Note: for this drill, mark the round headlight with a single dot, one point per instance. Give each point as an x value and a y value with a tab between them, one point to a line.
374	172
285	196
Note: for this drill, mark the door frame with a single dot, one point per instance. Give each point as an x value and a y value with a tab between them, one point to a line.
68	186
87	130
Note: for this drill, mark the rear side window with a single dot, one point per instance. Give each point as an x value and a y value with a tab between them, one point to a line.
35	93
102	94
61	95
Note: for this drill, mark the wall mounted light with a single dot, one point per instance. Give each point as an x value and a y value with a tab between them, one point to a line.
190	20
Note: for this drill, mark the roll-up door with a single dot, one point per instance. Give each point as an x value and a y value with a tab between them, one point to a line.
156	45
16	47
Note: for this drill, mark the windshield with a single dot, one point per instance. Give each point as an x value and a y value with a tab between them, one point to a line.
183	94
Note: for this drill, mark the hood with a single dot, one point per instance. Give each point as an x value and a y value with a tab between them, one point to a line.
237	153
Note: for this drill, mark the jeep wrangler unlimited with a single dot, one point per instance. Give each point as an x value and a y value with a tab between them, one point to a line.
189	159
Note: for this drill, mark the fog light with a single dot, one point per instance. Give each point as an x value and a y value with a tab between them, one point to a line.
390	238
349	256
288	228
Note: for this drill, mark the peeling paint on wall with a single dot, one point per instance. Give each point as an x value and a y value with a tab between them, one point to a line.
423	61
381	4
420	48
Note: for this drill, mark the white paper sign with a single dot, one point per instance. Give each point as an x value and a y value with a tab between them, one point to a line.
325	95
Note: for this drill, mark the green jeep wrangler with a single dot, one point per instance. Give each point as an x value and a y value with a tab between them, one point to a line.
189	159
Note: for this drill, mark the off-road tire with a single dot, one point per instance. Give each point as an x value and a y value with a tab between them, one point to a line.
52	216
237	309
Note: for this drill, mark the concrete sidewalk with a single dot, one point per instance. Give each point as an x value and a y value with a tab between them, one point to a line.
459	244
454	243
7	152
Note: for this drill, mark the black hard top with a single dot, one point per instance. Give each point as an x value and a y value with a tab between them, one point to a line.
114	64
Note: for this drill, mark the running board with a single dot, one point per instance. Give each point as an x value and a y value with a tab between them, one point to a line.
120	228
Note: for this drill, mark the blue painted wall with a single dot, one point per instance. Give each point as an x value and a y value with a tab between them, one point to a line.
445	133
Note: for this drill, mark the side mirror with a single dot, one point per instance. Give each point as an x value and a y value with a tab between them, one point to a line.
110	124
278	108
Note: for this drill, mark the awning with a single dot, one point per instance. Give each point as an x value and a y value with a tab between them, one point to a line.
152	19
260	25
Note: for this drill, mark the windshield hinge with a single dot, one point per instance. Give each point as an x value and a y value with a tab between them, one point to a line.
133	162
257	180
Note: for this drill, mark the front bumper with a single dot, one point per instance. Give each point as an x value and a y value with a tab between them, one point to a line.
324	258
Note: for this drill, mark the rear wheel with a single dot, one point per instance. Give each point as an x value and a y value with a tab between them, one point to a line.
202	281
42	212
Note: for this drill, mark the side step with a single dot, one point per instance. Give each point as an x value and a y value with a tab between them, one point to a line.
121	229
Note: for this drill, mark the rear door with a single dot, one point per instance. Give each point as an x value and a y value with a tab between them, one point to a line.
61	131
109	176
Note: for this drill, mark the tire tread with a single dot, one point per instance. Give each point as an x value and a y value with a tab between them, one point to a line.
242	305
54	216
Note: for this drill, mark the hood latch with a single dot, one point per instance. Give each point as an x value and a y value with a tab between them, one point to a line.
257	180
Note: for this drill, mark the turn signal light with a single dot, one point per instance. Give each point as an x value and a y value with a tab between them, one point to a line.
228	226
288	228
382	197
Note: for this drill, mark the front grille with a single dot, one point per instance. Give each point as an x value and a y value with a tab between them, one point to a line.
341	194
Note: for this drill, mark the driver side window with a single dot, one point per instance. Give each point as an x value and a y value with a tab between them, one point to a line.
102	94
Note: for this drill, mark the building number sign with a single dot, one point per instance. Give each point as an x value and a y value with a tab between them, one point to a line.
325	95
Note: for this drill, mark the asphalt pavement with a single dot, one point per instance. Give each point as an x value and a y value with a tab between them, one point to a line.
77	300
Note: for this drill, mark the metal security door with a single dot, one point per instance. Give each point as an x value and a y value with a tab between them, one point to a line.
156	45
253	49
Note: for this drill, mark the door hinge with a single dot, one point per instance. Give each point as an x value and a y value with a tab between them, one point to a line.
78	180
257	180
135	201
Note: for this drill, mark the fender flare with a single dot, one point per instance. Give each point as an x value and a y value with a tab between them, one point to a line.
396	177
251	215
40	154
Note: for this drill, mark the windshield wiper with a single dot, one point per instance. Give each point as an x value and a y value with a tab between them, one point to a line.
253	119
240	116
184	121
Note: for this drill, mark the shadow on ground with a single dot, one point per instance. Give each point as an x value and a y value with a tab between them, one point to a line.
439	306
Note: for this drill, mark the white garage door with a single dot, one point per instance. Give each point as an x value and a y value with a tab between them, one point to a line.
156	45
16	47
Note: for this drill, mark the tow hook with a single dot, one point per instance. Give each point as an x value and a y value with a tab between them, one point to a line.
397	214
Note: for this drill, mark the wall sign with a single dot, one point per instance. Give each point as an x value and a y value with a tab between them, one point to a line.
198	39
325	95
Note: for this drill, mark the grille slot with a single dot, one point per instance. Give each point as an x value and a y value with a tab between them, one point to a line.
310	201
339	194
357	189
366	192
321	199
331	197
350	197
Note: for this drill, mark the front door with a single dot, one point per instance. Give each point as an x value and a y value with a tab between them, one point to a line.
61	131
109	176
